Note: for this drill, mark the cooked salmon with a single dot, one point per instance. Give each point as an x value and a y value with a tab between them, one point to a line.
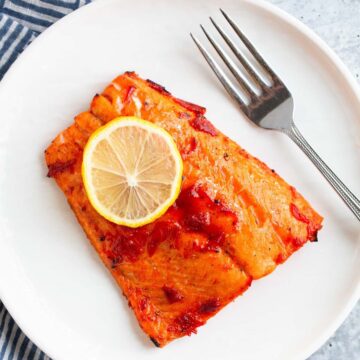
234	221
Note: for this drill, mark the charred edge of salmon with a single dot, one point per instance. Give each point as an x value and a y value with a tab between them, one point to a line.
315	238
312	228
157	344
200	110
59	167
97	95
161	89
130	73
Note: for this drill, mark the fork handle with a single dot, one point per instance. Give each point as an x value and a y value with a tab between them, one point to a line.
346	195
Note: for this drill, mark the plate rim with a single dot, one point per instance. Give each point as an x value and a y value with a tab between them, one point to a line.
342	69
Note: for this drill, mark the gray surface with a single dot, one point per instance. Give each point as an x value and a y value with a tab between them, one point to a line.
338	23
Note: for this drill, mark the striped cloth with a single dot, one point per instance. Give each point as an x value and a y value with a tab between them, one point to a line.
20	22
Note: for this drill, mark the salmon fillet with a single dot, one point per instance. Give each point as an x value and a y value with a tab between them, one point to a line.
234	221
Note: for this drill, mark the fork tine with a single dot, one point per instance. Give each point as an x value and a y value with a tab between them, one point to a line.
250	46
231	65
229	87
245	63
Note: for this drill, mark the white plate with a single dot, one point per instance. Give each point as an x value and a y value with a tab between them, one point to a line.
50	278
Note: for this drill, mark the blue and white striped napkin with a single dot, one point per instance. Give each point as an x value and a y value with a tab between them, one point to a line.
20	22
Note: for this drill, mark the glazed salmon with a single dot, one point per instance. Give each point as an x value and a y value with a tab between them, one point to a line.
234	221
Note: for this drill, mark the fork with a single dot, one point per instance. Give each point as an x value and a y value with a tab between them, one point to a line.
272	106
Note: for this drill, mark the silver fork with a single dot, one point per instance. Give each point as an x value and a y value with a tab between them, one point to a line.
273	107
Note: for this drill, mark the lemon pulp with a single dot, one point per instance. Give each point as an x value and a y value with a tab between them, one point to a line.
132	171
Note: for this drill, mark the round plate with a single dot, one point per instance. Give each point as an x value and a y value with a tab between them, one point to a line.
51	279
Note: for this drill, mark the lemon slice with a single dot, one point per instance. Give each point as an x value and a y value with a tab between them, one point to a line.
132	171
